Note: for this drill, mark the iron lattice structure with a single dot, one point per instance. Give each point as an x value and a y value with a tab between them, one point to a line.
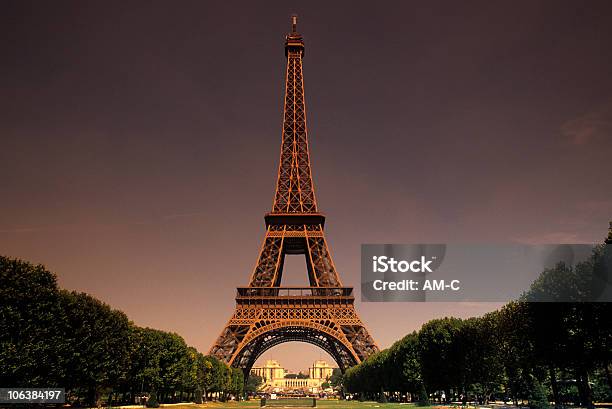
267	314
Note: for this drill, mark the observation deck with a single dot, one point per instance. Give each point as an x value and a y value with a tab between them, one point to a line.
294	296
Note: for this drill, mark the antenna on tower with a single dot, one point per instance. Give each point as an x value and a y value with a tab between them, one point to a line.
294	23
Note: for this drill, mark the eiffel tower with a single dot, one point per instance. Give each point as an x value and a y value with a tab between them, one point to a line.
267	314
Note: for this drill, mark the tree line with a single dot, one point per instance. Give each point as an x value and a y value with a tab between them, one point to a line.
527	351
50	337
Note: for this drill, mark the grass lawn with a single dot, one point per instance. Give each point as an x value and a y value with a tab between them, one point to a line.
327	404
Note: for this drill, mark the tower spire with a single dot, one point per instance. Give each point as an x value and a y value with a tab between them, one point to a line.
294	24
294	187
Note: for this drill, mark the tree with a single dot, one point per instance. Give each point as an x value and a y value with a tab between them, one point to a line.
298	375
478	343
516	347
538	398
351	379
52	337
173	363
30	346
214	375
423	397
99	340
336	378
236	386
253	383
405	365
573	333
199	373
145	357
439	348
152	402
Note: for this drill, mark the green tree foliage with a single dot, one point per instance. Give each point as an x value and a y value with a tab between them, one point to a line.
30	345
145	359
538	398
237	382
440	347
516	349
336	379
479	352
526	351
253	383
405	374
371	377
572	337
173	363
152	402
218	379
53	337
296	376
423	397
98	338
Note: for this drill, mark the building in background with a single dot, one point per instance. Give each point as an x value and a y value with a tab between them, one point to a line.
271	370
276	379
320	370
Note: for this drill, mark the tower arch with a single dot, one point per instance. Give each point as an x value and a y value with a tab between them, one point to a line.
307	332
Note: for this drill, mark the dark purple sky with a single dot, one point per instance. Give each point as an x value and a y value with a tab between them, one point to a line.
140	140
